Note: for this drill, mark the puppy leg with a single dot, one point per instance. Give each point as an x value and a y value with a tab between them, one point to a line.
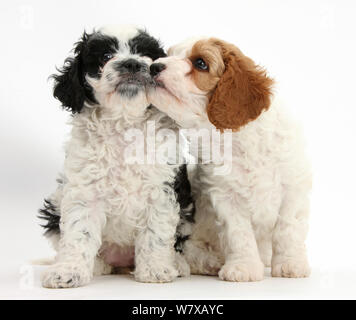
201	260
154	248
242	260
289	253
81	225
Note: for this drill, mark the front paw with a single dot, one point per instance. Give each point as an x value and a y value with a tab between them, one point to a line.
65	275
182	265
155	273
291	269
242	271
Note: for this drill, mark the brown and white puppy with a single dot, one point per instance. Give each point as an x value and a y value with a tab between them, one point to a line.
257	214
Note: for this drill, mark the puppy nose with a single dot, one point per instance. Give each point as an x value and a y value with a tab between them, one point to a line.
156	68
132	65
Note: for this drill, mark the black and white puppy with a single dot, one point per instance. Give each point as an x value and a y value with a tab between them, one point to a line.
107	211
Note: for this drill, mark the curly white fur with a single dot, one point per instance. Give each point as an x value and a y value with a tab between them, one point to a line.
105	201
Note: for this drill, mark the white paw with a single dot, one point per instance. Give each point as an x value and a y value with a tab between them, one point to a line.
213	265
65	275
209	267
182	266
242	271
155	274
291	269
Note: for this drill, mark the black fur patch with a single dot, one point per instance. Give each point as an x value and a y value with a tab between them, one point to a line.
145	45
184	197
52	217
70	85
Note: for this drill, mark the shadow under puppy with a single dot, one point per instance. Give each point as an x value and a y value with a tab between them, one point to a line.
108	210
256	214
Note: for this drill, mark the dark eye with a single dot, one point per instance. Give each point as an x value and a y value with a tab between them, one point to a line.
200	64
107	57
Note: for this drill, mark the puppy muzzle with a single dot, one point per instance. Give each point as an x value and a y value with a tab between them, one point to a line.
134	76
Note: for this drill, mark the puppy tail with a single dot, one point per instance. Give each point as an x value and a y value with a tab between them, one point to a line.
51	215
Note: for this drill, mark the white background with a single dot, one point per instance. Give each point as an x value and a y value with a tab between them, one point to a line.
307	46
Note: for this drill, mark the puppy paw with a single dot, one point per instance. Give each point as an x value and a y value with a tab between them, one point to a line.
65	275
209	267
182	266
291	269
213	265
242	271
155	274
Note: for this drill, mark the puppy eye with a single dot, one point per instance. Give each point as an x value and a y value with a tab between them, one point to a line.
200	64
107	57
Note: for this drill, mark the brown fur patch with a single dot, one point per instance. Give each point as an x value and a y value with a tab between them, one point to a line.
243	91
207	80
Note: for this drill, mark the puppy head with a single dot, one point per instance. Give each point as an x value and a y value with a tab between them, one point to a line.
108	65
211	80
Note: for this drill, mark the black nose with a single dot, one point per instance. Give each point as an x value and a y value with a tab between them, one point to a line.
156	68
132	65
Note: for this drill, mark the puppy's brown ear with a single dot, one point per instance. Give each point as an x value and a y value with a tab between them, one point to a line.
242	93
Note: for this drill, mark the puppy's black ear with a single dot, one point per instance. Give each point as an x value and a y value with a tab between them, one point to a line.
69	84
